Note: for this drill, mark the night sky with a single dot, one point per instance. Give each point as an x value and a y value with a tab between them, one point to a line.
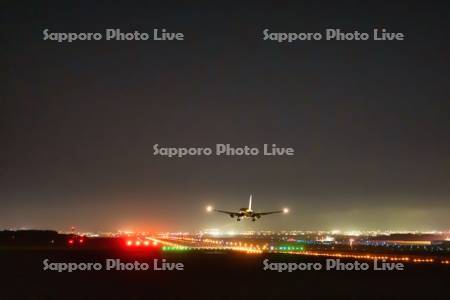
369	120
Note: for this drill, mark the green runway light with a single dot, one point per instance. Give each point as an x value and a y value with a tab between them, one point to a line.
175	248
289	248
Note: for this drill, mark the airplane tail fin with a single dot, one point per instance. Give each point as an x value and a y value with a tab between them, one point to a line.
250	203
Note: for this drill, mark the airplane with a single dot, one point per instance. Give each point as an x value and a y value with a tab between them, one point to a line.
247	213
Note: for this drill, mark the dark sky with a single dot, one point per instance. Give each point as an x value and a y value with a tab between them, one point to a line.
369	120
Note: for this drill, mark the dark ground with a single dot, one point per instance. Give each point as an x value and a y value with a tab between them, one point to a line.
209	275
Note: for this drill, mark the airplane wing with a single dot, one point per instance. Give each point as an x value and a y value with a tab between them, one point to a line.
269	212
231	213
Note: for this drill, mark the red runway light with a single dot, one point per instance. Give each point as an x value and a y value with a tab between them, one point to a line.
70	242
129	243
146	243
81	241
137	243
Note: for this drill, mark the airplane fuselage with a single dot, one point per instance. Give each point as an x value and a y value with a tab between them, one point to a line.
245	213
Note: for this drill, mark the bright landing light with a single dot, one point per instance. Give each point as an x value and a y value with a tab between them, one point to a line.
285	210
209	208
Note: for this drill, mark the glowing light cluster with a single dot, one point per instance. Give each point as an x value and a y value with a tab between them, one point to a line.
155	242
175	248
216	242
428	260
234	246
288	248
74	241
250	248
212	244
137	243
366	256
